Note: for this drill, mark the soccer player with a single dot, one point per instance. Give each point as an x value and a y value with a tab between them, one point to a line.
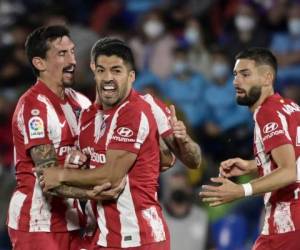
121	135
276	150
44	130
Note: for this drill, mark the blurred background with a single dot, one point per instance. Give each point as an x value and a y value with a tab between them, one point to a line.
184	52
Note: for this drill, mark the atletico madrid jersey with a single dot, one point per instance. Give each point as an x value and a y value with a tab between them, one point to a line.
135	218
41	117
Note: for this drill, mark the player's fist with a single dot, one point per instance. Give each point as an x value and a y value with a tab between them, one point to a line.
235	167
75	159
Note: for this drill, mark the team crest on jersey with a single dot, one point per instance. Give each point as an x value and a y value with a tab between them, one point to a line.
36	127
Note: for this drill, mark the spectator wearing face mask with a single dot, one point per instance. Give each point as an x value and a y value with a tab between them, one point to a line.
286	46
247	30
198	54
153	45
226	126
185	88
183	217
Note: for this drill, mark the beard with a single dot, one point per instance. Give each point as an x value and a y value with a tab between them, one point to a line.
250	98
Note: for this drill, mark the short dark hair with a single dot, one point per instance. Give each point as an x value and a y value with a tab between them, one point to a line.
37	42
261	56
113	47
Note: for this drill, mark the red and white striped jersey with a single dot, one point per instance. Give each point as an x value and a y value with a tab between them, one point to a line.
135	218
277	122
41	117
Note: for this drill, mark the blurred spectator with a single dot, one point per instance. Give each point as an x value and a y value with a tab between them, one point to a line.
102	13
276	16
199	56
247	31
153	45
186	89
286	46
226	124
146	79
187	222
15	71
7	180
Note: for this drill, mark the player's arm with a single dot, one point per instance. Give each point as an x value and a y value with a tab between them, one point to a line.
118	163
44	156
167	158
237	167
181	144
285	174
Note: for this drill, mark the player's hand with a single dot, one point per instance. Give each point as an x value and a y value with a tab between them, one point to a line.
75	159
179	129
224	193
235	167
104	192
49	178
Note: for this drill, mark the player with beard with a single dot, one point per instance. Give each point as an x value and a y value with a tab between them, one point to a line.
121	135
44	131
276	151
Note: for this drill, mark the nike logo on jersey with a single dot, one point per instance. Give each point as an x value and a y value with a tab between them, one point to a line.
86	126
62	124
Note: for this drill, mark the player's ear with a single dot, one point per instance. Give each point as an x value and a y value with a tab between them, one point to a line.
92	66
269	78
131	76
39	63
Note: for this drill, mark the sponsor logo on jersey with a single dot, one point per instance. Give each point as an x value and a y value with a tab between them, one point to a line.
269	127
36	127
125	132
95	157
65	150
274	133
122	139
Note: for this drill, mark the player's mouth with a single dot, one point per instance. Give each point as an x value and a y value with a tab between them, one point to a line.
69	71
240	91
109	89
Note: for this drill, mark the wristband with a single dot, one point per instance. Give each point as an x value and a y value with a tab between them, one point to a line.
247	189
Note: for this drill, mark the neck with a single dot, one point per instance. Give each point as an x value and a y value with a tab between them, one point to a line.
263	97
56	88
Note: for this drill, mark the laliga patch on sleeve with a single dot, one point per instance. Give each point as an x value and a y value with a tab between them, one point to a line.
36	127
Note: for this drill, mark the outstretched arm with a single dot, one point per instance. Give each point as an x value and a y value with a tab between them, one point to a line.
237	167
181	144
283	175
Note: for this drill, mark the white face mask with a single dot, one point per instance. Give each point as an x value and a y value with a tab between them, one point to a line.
294	26
153	28
244	23
191	35
220	70
180	67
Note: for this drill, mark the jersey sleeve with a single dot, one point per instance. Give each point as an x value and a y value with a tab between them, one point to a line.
162	115
129	130
274	129
35	124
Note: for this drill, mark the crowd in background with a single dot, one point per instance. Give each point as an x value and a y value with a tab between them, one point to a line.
184	52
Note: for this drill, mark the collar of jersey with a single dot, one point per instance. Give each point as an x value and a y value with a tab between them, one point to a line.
130	97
